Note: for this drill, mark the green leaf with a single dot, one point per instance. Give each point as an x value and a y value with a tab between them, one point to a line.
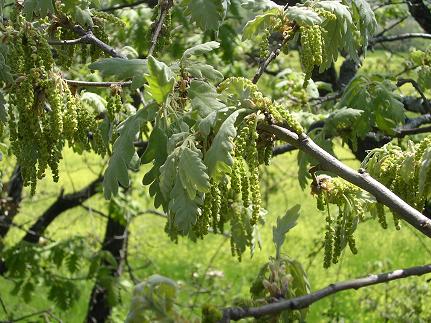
204	71
192	171
200	49
156	152
208	14
160	80
363	14
38	8
284	224
341	120
185	209
425	173
5	75
121	68
168	173
204	97
259	23
123	151
218	158
303	16
3	112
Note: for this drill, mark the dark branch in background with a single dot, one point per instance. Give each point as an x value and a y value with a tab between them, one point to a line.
382	39
62	204
97	84
329	163
149	3
10	205
391	26
422	14
237	313
165	6
415	84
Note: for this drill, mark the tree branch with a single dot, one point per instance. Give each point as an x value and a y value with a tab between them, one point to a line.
150	3
165	6
97	84
415	84
237	313
360	179
89	38
382	39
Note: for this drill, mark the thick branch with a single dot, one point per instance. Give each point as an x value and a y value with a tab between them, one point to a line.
237	313
360	179
62	204
421	13
10	206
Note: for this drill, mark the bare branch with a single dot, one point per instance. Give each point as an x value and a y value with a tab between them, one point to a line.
237	313
360	179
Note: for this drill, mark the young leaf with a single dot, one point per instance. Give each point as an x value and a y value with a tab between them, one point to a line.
168	173
160	80
200	49
303	16
284	224
205	98
259	23
192	171
204	71
122	69
208	14
364	15
425	173
38	8
123	151
218	158
185	209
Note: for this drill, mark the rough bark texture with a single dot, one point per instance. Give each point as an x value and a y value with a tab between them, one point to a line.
99	308
10	205
421	13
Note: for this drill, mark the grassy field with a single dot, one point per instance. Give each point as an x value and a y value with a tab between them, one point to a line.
151	251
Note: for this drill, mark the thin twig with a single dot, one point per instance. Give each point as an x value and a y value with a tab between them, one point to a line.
81	40
396	23
237	313
165	6
415	84
97	84
150	3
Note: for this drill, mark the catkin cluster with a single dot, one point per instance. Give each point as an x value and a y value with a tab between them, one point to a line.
311	51
351	207
403	171
43	114
275	112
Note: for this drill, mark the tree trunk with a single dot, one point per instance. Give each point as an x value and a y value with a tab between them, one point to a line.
10	205
115	242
